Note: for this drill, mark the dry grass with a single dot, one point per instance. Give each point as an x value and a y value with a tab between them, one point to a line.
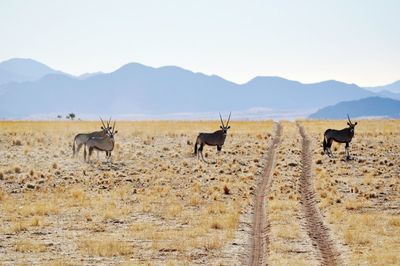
156	197
29	246
105	247
361	197
157	204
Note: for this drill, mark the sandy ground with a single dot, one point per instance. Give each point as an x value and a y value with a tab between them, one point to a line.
157	204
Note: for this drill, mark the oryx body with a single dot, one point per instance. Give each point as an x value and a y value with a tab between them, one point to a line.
212	139
341	136
82	138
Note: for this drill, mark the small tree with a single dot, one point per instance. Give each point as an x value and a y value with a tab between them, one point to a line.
59	116
71	116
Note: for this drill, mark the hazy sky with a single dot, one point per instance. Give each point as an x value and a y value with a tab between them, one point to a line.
356	41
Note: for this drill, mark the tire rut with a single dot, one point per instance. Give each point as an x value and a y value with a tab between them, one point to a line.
259	236
316	230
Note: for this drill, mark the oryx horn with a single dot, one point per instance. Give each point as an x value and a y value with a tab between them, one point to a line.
220	117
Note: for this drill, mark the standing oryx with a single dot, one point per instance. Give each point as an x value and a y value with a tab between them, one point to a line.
102	143
342	136
212	139
82	138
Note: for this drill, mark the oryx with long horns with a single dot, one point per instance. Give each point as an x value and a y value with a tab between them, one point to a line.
82	138
212	139
342	136
102	143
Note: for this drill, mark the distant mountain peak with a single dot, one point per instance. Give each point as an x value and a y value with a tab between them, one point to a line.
14	63
393	87
260	79
374	106
132	66
26	69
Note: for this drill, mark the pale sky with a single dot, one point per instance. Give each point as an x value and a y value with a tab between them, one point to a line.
355	41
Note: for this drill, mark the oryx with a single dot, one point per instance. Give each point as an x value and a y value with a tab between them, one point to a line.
212	139
101	143
342	136
82	138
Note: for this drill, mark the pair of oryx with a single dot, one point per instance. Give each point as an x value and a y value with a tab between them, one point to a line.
99	140
218	138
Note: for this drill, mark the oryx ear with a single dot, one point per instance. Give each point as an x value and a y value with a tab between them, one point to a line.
116	131
228	127
355	123
102	128
109	128
348	123
220	127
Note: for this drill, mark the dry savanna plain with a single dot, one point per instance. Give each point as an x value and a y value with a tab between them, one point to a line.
270	196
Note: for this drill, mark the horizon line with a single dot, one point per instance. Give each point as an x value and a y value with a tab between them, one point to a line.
199	72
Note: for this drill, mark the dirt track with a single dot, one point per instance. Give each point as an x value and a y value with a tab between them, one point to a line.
259	241
316	229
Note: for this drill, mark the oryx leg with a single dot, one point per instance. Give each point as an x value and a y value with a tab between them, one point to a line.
347	151
326	147
78	148
197	150
201	152
90	153
330	141
84	153
109	156
219	148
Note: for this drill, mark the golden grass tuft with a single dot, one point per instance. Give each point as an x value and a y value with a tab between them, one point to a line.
28	246
213	242
288	231
39	208
19	226
394	221
357	236
78	197
106	247
3	194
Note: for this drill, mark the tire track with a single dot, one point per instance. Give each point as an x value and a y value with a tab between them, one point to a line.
259	236
316	229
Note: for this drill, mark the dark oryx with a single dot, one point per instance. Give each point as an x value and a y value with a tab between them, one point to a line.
342	136
212	139
82	138
102	143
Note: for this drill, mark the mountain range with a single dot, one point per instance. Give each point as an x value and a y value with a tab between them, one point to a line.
367	107
29	88
392	87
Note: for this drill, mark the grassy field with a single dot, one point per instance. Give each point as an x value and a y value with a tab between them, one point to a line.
361	198
157	204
